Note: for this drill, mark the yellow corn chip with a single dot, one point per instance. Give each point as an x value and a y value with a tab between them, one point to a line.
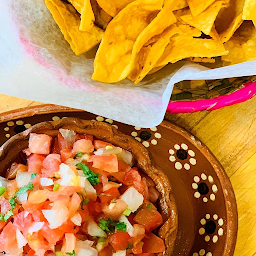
202	60
87	17
114	56
149	54
242	46
69	21
205	20
78	4
198	6
102	19
183	46
113	7
228	33
249	11
180	5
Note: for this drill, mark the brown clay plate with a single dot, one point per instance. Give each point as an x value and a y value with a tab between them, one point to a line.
207	211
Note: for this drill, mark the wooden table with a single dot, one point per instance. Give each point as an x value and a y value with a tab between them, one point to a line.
230	133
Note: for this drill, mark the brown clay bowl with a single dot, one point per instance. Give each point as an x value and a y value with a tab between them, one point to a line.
11	151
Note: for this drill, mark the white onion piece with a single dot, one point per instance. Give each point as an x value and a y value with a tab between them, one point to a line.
22	197
23	178
120	253
110	185
111	151
3	182
95	230
84	248
133	198
68	134
14	251
77	219
35	227
46	182
21	240
65	170
127	157
129	227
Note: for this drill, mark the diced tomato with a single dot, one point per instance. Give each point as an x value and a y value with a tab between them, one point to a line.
22	221
146	254
153	244
51	164
40	143
30	207
68	191
100	144
38	216
11	189
74	204
35	163
65	143
51	235
149	218
37	243
14	169
66	154
138	233
107	251
84	213
123	166
94	207
99	188
119	240
7	237
132	176
119	206
118	175
108	195
69	243
2	224
37	197
84	136
137	248
55	146
83	146
107	163
5	206
67	227
31	253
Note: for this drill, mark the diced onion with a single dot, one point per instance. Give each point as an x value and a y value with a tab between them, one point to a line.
120	253
95	230
46	182
77	219
3	182
133	198
127	157
68	134
129	227
22	197
84	248
35	227
21	240
23	178
110	185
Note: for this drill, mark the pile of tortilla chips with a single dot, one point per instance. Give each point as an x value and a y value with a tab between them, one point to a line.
139	37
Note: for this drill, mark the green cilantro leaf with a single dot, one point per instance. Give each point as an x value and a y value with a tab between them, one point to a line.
149	206
1	217
121	226
25	188
127	212
56	187
8	215
79	154
33	175
12	202
101	240
92	177
2	190
71	253
104	225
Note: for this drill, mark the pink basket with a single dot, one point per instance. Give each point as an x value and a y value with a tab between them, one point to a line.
246	92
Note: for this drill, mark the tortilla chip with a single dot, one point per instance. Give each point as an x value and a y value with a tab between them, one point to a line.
149	54
202	60
205	20
113	7
182	46
102	19
242	46
68	20
180	5
113	59
87	16
228	33
249	11
198	6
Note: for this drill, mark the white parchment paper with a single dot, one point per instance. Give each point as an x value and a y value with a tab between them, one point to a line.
36	63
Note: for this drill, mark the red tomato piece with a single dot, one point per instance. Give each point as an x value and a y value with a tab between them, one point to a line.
35	163
66	154
31	253
38	216
149	218
22	221
107	163
67	191
123	166
119	240
118	175
108	195
100	144
11	188
153	244
55	146
51	164
67	227
94	207
84	213
5	206
66	143
83	146
146	254
108	250
132	176
74	204
51	235
2	225
137	248
40	143
30	207
7	237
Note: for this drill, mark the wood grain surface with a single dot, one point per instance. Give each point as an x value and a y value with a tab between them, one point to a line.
230	133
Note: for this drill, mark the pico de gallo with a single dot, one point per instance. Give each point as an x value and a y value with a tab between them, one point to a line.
77	196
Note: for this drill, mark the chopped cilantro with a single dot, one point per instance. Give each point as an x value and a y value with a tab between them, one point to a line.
127	212
33	175
149	206
104	225
12	202
79	154
92	177
121	226
71	253
101	240
25	188
85	201
1	217
58	253
8	215
2	190
56	187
